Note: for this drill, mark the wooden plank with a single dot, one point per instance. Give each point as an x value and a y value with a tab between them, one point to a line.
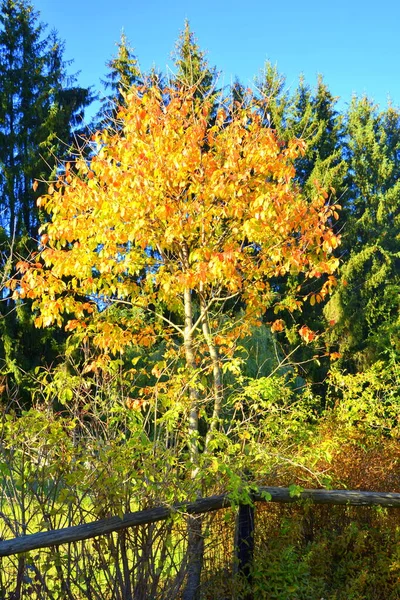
89	530
334	497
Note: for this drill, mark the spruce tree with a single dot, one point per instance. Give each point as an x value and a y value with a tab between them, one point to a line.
123	72
309	114
365	309
40	108
192	68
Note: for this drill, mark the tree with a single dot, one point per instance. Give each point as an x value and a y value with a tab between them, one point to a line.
192	69
206	215
310	114
365	307
123	73
37	110
39	107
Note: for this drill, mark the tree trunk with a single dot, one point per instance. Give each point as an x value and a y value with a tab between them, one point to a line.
217	375
195	547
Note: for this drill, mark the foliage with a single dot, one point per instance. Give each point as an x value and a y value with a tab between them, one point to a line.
311	114
326	552
365	309
210	215
183	200
96	458
91	461
337	552
192	69
185	256
180	212
123	73
40	110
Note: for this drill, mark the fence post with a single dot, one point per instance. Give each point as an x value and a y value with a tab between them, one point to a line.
244	546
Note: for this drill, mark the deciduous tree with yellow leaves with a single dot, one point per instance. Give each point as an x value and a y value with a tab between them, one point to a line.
182	213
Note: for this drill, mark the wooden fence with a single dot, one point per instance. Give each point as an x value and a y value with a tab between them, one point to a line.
204	505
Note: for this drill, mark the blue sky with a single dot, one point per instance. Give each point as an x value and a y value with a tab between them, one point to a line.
355	46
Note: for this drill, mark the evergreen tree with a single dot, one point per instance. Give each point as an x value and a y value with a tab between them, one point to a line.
37	110
123	72
40	108
271	87
366	307
309	114
192	68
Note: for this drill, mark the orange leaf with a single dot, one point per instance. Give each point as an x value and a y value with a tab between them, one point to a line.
278	325
134	403
22	266
307	334
72	324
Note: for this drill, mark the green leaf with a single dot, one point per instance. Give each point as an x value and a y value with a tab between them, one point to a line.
266	496
295	490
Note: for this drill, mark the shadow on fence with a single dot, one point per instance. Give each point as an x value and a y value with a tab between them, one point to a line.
142	555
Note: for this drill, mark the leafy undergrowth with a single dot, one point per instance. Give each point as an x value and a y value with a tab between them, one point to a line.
66	469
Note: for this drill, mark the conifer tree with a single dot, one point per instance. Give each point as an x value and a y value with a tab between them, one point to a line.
271	87
365	308
309	114
123	72
192	68
39	107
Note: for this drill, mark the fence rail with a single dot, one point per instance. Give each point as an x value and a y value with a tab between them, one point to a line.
277	494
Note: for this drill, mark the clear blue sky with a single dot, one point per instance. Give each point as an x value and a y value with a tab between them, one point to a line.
354	44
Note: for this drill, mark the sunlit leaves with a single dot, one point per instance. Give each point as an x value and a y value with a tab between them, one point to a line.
307	334
174	200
